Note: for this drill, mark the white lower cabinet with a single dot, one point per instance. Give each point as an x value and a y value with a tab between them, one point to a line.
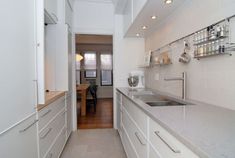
58	145
50	132
153	153
143	137
20	141
129	149
166	144
69	114
53	130
137	138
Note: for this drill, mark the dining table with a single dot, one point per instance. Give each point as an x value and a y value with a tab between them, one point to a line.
82	90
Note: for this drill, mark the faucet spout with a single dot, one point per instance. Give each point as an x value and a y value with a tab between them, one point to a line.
183	79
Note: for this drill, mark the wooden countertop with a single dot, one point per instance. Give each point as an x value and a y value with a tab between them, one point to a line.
50	97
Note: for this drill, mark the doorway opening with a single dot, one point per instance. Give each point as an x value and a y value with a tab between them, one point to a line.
94	79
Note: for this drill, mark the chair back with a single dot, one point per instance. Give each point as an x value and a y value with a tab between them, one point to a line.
93	91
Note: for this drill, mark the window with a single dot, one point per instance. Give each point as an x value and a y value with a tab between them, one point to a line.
90	73
106	78
106	75
90	60
90	64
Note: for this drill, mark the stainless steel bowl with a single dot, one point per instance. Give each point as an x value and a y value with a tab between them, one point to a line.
133	81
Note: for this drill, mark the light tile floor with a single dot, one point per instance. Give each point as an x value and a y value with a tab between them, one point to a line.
94	143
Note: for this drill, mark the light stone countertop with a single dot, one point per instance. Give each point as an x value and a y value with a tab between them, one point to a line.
207	130
50	97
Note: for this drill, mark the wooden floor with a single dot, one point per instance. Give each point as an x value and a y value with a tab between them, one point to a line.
103	118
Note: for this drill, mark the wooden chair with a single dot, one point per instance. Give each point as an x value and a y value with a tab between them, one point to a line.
92	98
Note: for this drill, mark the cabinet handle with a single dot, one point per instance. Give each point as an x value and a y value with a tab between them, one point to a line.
167	144
42	137
138	137
46	113
54	16
25	129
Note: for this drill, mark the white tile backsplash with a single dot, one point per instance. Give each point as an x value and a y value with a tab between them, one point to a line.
210	80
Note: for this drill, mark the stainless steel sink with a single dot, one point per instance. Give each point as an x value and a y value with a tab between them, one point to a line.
159	100
165	103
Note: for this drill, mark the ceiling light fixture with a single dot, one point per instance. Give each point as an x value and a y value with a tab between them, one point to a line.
138	35
168	1
78	57
144	27
153	17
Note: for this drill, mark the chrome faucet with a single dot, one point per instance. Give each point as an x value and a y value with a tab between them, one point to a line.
183	79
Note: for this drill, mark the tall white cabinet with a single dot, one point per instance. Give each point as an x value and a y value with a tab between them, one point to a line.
24	74
18	79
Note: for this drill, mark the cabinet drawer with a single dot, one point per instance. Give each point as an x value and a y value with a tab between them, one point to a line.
130	152
136	136
138	115
58	146
167	145
47	113
48	134
153	153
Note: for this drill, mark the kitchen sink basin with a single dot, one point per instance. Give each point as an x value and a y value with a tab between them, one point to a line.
165	103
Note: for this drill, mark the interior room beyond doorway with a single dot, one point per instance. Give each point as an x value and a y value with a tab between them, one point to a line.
94	78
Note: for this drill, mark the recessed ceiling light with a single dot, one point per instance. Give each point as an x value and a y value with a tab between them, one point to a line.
144	27
138	35
153	17
168	1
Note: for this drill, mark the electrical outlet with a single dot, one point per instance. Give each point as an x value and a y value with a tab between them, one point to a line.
157	77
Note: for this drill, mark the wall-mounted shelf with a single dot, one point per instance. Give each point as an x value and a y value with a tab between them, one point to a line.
208	40
227	51
161	59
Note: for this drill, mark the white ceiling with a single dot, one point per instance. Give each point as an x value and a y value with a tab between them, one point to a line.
153	7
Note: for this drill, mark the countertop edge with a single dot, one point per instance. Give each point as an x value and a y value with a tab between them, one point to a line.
51	100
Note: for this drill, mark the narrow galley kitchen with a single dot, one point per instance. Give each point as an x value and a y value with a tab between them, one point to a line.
117	79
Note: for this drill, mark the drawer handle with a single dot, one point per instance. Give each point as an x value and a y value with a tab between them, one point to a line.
25	129
139	138
167	144
46	113
49	130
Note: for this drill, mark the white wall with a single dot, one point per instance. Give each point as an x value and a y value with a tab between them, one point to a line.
92	17
210	80
127	52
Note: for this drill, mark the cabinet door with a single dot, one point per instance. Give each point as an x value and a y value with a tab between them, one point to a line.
68	13
20	141
51	10
137	7
17	62
128	15
69	115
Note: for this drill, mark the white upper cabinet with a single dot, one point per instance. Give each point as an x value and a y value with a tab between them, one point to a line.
137	7
142	11
68	13
131	11
51	11
128	16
